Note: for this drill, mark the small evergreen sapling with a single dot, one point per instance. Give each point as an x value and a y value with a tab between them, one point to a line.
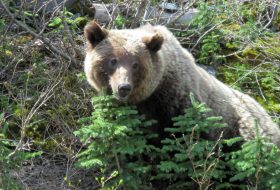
116	139
188	155
258	163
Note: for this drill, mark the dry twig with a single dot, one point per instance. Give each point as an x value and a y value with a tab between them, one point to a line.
38	35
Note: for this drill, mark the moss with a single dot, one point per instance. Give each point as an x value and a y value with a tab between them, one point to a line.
23	39
270	46
232	27
81	21
250	52
258	81
232	45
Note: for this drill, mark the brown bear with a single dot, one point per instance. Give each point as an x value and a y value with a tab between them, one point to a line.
148	67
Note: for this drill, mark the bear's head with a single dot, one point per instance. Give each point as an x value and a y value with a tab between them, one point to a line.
126	63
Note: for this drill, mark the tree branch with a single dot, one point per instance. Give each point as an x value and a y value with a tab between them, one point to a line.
140	13
34	34
186	8
68	32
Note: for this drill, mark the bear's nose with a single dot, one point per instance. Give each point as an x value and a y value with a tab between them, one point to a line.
124	90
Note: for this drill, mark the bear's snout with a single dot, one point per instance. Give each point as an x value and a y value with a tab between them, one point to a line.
124	90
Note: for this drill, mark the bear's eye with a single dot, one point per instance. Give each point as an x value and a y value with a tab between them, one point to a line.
135	66
113	63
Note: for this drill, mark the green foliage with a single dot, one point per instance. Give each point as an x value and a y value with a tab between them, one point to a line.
28	90
260	81
120	21
103	180
117	143
210	47
70	18
114	135
5	46
188	155
10	159
258	162
5	164
235	38
19	95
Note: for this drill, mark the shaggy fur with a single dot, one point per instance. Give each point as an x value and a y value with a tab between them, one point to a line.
166	75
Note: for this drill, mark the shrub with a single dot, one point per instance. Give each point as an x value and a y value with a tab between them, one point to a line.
117	143
116	138
258	163
10	158
189	155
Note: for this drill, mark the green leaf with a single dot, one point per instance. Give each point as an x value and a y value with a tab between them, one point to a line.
55	22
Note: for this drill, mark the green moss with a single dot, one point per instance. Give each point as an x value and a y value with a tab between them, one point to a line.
245	53
250	52
259	81
81	21
232	27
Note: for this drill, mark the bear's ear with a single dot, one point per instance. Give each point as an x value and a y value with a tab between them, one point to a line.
94	33
154	42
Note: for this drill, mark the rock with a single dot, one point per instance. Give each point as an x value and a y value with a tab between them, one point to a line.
42	5
210	69
101	13
188	16
167	14
169	7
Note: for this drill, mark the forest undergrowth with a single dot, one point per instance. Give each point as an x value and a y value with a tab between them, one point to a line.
48	121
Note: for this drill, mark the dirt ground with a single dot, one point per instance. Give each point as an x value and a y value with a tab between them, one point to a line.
54	174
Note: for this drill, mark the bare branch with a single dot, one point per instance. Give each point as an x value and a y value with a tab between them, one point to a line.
275	10
36	35
202	36
68	32
140	13
185	9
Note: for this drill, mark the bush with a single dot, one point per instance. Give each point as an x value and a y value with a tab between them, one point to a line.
10	158
241	42
117	143
258	163
188	155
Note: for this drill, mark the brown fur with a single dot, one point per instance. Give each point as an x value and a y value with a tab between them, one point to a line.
166	75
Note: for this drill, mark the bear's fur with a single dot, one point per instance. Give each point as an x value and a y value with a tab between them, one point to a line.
159	74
